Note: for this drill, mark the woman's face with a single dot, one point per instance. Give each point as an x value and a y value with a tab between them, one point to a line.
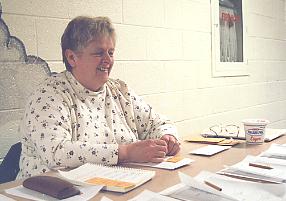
93	64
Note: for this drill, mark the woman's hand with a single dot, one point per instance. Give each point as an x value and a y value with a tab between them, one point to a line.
143	151
172	143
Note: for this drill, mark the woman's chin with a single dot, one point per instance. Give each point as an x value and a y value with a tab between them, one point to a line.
104	78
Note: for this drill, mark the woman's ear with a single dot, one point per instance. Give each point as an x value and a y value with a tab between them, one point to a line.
71	57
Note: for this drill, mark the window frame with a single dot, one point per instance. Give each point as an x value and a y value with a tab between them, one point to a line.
226	69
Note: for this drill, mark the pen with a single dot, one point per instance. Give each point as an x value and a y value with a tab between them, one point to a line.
260	166
213	185
223	136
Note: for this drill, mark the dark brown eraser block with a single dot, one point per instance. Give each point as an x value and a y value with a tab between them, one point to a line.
52	186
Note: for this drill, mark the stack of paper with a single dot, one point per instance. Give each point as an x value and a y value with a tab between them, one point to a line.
277	151
112	178
245	190
208	186
258	169
192	189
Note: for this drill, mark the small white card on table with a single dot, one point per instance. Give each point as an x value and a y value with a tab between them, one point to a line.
209	150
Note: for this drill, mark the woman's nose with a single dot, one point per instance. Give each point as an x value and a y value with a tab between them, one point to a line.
107	58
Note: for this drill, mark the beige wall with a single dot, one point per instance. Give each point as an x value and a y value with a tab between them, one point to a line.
164	53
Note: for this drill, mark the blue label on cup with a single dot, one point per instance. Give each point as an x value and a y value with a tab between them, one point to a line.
255	132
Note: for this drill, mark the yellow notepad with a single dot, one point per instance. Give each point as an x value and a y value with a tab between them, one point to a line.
227	142
110	182
113	178
175	159
208	140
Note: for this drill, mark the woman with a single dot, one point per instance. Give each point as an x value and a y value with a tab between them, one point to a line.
81	115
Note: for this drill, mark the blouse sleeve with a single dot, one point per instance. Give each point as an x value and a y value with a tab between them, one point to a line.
48	130
149	123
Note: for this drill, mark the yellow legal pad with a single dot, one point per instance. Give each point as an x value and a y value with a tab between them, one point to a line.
174	159
109	182
208	140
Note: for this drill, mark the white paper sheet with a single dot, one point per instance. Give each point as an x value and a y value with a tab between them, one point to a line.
272	133
245	190
105	199
210	150
167	165
5	198
243	169
191	189
86	194
277	151
274	162
275	172
147	195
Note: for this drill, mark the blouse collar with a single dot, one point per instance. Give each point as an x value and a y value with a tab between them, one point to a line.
80	89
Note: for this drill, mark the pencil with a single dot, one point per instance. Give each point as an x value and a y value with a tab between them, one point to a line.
213	185
260	166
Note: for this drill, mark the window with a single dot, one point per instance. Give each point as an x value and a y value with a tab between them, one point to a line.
228	38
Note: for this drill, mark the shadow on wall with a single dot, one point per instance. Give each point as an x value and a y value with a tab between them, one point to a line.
19	74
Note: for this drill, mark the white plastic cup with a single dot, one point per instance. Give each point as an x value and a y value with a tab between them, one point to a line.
255	130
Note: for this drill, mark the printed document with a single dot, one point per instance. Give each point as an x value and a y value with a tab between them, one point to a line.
251	168
245	190
192	189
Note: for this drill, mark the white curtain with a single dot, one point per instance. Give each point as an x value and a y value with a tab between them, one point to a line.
228	36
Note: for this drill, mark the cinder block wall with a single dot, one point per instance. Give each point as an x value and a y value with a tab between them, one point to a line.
164	52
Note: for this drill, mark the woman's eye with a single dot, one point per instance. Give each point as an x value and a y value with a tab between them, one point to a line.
97	54
101	54
111	54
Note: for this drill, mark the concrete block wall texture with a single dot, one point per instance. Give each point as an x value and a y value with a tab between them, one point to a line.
19	74
163	51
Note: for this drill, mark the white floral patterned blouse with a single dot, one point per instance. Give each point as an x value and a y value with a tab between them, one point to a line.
66	125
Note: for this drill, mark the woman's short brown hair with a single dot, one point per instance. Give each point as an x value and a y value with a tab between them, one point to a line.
81	30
